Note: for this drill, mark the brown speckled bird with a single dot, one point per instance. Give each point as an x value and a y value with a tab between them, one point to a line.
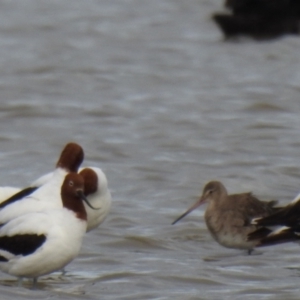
228	217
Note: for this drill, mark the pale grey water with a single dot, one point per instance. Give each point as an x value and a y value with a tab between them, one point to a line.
161	103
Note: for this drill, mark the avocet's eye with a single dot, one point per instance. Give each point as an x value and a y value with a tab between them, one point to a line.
71	183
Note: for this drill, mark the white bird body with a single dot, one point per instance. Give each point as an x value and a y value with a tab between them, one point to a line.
44	198
38	243
7	191
42	180
47	197
100	199
63	234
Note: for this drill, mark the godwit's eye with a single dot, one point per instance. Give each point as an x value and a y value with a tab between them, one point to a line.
71	183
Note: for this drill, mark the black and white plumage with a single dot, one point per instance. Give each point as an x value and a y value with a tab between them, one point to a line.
288	218
95	187
15	201
44	194
38	243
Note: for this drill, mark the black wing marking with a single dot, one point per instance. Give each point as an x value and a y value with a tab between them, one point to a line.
21	244
284	236
258	234
18	196
286	216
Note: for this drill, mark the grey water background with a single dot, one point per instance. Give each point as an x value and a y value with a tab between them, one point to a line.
163	105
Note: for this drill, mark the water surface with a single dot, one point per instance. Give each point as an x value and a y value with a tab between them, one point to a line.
161	103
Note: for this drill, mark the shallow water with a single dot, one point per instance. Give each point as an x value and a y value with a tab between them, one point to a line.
161	103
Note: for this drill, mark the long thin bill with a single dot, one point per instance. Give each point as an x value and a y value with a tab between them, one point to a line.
198	203
83	197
